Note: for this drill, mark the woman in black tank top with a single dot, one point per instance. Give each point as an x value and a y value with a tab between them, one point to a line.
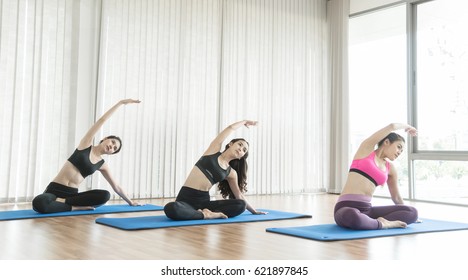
228	169
62	194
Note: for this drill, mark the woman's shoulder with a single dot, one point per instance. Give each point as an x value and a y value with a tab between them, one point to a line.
83	147
211	154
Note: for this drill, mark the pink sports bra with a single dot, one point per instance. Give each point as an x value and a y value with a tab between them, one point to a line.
369	169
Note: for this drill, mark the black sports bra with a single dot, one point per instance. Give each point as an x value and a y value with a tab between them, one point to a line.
210	167
80	159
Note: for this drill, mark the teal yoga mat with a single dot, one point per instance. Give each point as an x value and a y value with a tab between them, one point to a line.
332	232
154	222
105	209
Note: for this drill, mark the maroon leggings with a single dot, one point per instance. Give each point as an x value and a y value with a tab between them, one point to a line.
361	215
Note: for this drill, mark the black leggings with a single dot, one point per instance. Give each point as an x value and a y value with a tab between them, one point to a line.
189	200
46	203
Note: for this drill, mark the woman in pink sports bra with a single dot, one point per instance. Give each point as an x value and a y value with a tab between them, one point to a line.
370	168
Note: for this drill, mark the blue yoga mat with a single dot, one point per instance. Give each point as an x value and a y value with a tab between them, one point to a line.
332	232
105	209
153	222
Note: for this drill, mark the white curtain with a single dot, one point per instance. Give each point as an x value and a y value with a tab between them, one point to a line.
38	55
167	54
274	70
338	11
197	66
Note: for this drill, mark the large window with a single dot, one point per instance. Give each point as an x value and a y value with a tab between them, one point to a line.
442	75
436	169
441	181
378	79
441	88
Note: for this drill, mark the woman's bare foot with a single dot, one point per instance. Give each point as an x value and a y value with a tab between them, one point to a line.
77	208
391	224
212	215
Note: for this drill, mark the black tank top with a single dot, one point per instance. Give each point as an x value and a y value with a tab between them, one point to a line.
210	167
80	159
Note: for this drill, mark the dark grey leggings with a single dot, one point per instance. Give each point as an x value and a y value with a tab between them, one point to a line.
362	215
46	202
189	200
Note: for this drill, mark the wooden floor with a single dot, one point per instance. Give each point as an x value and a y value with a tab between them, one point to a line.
80	238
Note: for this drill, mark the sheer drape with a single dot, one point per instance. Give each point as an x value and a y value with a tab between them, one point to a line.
197	66
275	71
167	54
338	11
37	94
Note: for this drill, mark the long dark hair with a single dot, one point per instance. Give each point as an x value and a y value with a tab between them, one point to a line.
240	165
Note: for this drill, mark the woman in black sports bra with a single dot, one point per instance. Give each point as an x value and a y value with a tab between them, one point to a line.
62	195
228	168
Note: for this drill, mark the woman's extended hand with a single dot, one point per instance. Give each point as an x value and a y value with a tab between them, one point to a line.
250	123
128	101
412	131
136	203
